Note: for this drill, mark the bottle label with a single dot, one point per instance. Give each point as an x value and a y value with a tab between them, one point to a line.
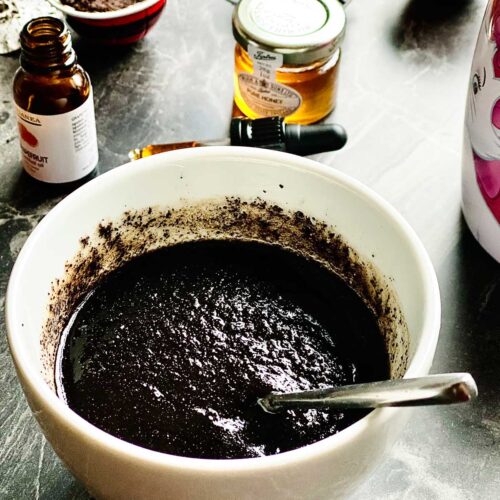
260	90
59	148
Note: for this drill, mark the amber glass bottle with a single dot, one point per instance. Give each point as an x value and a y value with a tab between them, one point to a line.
54	105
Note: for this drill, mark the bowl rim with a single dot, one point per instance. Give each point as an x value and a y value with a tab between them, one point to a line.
102	16
33	379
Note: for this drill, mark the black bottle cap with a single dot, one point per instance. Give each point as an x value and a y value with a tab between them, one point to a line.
273	133
266	133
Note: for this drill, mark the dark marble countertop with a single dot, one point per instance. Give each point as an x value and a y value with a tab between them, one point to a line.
402	94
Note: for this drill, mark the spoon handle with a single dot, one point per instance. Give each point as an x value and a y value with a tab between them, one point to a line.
447	388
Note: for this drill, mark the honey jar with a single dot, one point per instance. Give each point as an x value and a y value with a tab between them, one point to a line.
287	57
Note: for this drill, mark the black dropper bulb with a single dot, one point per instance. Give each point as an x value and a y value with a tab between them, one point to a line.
311	139
273	133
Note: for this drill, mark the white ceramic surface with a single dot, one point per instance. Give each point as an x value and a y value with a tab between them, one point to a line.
478	216
112	468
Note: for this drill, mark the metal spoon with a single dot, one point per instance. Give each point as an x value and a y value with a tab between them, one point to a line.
442	389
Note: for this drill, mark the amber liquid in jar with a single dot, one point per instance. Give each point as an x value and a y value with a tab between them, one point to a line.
316	83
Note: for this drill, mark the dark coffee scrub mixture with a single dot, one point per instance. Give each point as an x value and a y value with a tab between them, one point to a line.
99	5
172	351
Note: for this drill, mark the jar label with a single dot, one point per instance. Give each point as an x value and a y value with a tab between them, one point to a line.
260	90
268	98
265	63
59	148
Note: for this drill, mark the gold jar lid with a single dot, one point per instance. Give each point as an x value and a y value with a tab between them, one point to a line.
303	31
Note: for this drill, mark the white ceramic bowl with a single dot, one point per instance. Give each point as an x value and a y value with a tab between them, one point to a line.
111	468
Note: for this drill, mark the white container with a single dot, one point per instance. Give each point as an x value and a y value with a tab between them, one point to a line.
112	468
481	155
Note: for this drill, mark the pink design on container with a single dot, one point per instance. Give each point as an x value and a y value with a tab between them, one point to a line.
481	159
484	116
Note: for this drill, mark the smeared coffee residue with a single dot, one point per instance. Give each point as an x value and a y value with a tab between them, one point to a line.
140	231
99	5
182	341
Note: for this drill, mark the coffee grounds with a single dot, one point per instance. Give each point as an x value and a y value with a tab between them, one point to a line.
171	351
99	5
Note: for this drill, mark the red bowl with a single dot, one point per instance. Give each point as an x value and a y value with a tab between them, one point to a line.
116	27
